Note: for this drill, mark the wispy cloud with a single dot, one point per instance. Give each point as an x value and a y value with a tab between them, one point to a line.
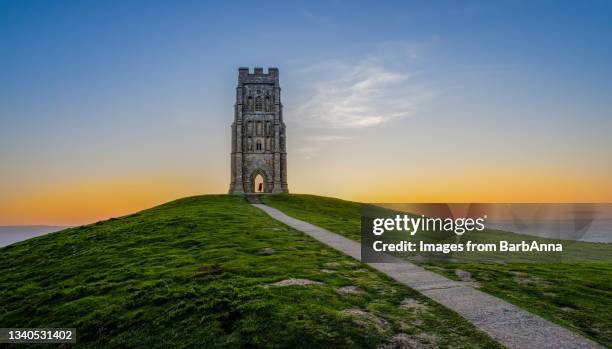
325	138
309	152
314	144
373	91
339	98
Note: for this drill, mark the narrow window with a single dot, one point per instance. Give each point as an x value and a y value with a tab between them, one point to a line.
258	146
258	104
268	106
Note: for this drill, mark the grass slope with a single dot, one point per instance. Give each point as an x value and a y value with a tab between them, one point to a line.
191	274
577	296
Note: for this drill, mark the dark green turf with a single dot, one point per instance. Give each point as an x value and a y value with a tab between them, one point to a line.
575	295
190	274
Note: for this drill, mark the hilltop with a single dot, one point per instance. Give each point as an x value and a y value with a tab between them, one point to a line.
213	271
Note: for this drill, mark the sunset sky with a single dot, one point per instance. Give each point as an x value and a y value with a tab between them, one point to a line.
109	107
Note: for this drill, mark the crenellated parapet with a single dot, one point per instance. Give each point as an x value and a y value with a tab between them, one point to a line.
258	76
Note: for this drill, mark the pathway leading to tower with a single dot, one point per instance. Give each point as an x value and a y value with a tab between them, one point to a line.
510	325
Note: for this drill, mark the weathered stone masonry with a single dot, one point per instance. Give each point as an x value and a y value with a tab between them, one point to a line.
258	134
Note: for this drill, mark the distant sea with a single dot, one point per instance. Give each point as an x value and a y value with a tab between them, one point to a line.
12	234
598	230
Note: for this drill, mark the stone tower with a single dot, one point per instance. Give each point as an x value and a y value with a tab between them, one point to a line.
259	157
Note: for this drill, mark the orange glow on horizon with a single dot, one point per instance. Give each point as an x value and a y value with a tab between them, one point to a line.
95	200
88	202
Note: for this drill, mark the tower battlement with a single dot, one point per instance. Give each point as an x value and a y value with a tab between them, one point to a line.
257	76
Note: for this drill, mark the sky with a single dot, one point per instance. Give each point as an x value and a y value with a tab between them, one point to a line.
110	107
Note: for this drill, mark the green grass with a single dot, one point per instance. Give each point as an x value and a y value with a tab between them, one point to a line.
191	274
575	295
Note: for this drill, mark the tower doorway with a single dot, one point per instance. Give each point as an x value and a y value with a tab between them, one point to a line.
259	184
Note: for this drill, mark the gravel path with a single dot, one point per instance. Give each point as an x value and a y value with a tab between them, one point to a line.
510	325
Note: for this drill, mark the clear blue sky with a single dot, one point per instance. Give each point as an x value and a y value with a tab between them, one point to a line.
115	95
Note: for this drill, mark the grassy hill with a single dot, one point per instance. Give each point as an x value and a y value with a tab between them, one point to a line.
200	272
575	295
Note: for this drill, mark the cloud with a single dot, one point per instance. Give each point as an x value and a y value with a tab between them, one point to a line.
309	152
371	92
338	99
325	138
314	144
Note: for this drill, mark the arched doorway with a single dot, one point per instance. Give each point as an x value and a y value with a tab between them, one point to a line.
259	184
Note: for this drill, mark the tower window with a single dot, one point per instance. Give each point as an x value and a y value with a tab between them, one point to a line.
258	146
258	104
